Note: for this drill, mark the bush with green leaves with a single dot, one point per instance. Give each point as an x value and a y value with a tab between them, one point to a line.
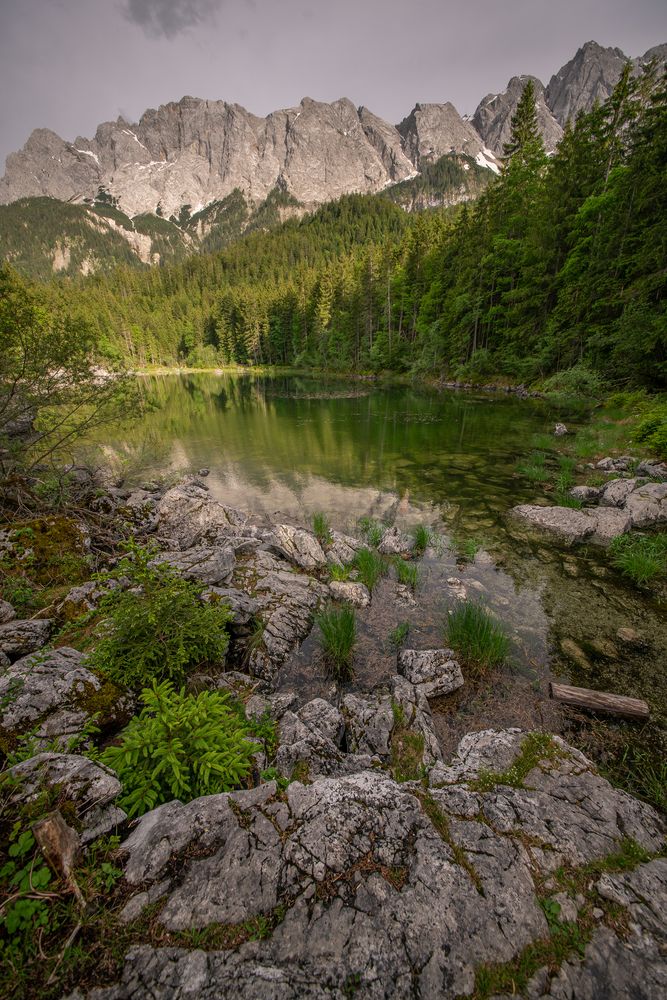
160	628
180	746
338	628
576	381
476	636
652	428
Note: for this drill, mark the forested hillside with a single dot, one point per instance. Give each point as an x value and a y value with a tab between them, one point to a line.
561	261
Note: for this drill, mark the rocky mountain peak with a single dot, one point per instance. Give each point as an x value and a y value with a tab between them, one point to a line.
493	117
589	76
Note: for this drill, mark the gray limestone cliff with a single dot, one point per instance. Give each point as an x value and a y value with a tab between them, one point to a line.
493	117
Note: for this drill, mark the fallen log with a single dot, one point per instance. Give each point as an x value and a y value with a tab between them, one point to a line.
600	701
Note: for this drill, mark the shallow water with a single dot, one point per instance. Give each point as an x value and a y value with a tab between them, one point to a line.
293	446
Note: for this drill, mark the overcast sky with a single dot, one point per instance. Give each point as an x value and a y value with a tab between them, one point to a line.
70	64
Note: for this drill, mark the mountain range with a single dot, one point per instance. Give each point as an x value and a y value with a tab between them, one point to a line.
163	185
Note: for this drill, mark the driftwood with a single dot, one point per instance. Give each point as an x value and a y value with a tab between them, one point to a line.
600	701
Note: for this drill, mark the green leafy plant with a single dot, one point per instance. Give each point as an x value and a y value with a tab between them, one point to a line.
476	636
338	633
422	537
321	529
641	557
371	567
406	573
340	573
160	628
652	428
180	746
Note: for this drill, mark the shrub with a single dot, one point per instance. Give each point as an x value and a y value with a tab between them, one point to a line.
180	746
338	627
478	639
652	428
406	573
641	557
321	529
422	537
371	567
576	381
160	629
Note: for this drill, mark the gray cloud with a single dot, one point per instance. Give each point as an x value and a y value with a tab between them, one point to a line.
168	18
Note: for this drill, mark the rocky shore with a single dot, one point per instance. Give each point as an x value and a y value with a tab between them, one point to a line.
368	865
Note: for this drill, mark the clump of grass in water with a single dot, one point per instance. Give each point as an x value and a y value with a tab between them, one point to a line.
371	530
398	635
422	537
406	573
338	627
641	557
467	548
534	468
480	641
371	567
321	529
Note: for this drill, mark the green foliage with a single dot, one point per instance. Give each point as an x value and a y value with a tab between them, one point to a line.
338	634
652	428
407	748
578	381
407	573
25	878
160	628
321	529
398	635
534	468
180	746
641	557
422	537
476	636
371	567
339	572
467	548
535	748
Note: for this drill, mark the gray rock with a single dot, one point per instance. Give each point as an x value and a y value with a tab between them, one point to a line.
274	705
7	612
313	736
91	787
354	593
569	525
208	565
620	464
609	523
376	896
188	516
433	130
298	546
616	492
647	505
589	77
395	543
434	672
560	430
45	692
652	469
86	597
369	721
242	606
343	549
18	638
586	494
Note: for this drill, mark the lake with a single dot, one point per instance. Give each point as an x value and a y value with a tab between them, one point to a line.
292	446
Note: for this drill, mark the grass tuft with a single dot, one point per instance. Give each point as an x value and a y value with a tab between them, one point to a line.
480	641
321	529
371	530
398	635
422	537
406	573
641	557
338	627
371	567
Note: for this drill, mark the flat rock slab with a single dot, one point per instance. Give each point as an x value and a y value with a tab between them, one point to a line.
565	523
210	565
609	523
377	895
434	671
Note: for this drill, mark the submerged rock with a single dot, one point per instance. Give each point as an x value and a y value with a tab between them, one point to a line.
354	593
567	524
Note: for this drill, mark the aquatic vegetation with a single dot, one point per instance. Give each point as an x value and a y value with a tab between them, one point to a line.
407	573
467	548
398	635
422	537
371	567
641	557
321	529
338	628
476	636
534	468
371	530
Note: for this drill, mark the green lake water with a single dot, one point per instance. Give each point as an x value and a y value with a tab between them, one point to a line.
288	447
